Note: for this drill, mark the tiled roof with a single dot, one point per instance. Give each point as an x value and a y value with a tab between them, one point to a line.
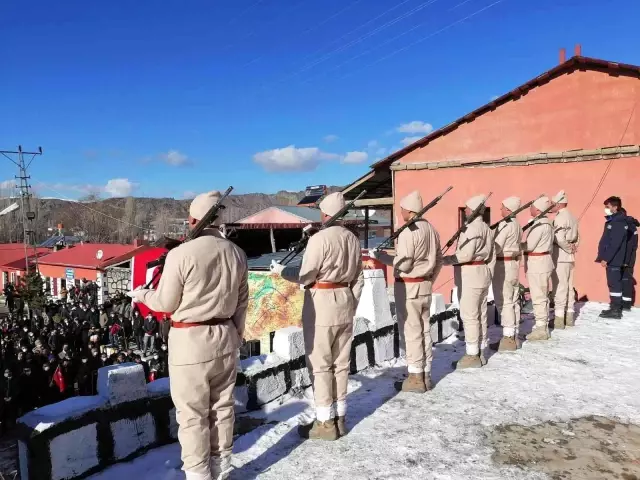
84	255
574	63
11	253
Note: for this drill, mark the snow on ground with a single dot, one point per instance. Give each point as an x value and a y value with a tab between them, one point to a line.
590	369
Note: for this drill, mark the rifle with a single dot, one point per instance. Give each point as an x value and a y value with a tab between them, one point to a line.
515	212
203	223
540	215
468	220
389	240
302	244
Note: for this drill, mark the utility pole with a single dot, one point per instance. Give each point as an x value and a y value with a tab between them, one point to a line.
18	159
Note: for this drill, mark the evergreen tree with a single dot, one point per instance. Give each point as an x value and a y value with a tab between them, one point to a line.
31	289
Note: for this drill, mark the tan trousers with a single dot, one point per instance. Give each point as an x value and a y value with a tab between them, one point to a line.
562	282
203	396
539	288
413	320
506	292
473	312
328	357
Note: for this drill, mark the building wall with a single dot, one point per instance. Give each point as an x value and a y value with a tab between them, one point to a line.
578	110
55	271
583	109
578	180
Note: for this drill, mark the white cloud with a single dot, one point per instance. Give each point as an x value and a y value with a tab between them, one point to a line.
372	144
7	185
415	127
355	157
381	151
292	159
409	140
331	138
174	158
119	187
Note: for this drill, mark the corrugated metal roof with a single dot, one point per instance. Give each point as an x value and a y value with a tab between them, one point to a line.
84	255
307	213
56	239
574	63
262	262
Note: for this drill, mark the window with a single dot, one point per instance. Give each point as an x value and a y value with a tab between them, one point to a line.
461	216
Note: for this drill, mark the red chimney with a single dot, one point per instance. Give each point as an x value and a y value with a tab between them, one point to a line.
577	50
563	55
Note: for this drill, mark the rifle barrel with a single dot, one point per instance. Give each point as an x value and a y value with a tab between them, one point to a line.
413	220
515	213
303	243
467	221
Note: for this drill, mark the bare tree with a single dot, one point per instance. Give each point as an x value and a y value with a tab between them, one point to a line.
127	231
162	222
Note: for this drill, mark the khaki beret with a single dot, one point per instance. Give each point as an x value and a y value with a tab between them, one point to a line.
560	197
332	204
512	203
203	203
412	202
542	203
474	202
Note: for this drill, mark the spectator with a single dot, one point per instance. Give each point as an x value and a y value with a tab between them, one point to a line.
138	328
165	326
150	330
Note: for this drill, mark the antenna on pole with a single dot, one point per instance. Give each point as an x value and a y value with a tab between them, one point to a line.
28	229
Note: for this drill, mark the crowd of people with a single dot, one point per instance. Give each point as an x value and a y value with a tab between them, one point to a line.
49	355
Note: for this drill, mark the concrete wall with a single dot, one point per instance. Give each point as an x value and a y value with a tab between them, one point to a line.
578	110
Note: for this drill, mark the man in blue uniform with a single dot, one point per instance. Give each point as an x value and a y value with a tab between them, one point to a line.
612	253
628	282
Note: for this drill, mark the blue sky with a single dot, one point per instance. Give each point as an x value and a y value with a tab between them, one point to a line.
164	98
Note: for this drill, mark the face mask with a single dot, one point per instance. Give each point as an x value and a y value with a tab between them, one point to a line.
608	212
24	350
84	360
7	375
164	348
46	369
155	357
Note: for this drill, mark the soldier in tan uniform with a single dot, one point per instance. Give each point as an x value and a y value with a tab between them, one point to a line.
331	273
506	274
565	244
539	266
474	252
205	287
417	262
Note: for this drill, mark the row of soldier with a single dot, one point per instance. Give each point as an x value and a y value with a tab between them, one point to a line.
209	302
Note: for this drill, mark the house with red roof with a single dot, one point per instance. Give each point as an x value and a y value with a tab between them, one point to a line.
108	265
13	261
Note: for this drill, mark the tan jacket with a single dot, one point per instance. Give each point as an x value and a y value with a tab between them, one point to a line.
418	255
203	279
508	238
474	245
539	239
332	256
566	233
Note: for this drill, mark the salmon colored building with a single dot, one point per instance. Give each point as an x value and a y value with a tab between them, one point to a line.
575	128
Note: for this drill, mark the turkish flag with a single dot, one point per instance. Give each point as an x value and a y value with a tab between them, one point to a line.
59	379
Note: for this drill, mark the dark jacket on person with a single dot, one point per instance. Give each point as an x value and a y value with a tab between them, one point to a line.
150	325
632	241
613	243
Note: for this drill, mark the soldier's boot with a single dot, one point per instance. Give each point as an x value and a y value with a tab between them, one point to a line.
570	320
220	468
538	333
626	306
468	361
483	359
414	383
612	312
341	426
507	344
319	431
558	323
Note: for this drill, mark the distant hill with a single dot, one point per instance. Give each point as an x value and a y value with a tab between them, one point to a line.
122	219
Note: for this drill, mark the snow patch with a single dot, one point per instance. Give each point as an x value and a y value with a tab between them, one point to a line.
130	435
50	415
74	453
122	383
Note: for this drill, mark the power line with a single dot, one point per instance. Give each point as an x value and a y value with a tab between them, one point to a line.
390	40
353	42
606	171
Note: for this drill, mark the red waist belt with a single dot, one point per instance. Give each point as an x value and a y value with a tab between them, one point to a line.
475	262
536	254
327	286
506	259
410	280
206	323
